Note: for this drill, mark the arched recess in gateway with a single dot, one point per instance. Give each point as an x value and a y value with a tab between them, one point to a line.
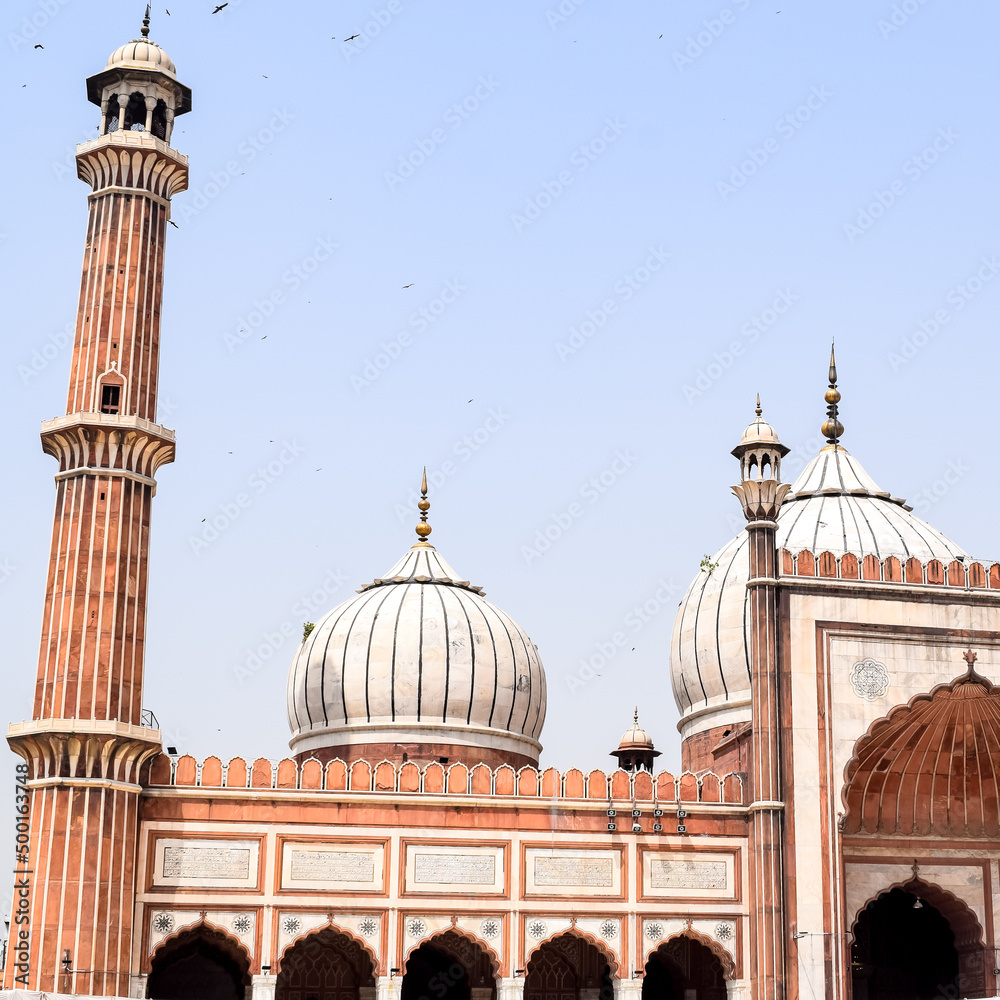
198	964
449	966
568	967
681	965
919	941
325	965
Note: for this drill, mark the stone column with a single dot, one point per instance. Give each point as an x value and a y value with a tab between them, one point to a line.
137	987
262	987
628	989
510	989
388	987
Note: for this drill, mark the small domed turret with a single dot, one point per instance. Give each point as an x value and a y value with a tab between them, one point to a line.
636	750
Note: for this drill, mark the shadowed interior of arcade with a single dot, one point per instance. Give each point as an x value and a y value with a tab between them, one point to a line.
198	965
449	967
326	965
917	943
683	969
568	967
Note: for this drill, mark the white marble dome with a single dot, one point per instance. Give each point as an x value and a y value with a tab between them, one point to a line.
141	53
834	506
418	656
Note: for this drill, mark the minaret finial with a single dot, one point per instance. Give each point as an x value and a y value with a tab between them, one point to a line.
832	428
145	23
759	410
423	528
635	718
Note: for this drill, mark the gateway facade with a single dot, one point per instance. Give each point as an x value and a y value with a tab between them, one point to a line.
835	831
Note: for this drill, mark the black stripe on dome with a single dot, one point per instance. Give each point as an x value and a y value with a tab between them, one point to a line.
395	637
343	662
447	658
368	656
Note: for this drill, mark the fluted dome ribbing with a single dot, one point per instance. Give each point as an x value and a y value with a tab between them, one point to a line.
834	506
418	656
141	53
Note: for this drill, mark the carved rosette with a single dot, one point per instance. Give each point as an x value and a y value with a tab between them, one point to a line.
134	160
761	498
98	443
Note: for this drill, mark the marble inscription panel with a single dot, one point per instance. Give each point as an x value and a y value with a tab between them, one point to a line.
574	871
206	862
666	874
332	866
454	869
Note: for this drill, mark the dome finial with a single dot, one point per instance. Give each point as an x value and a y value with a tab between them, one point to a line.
423	529
759	410
635	718
832	428
145	23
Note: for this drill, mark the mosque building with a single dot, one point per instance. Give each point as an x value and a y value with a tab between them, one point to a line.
834	833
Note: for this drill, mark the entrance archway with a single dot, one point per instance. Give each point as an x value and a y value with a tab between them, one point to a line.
568	967
200	964
326	965
449	967
917	942
681	969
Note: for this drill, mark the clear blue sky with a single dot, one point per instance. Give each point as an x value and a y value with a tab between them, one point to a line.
687	165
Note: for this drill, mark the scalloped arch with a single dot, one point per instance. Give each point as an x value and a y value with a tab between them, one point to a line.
600	945
931	766
725	959
494	958
228	941
376	969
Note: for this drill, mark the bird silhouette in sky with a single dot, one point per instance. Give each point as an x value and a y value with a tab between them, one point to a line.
410	285
220	7
351	39
39	46
174	224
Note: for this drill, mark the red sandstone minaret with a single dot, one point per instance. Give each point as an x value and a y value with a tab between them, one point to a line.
88	743
761	493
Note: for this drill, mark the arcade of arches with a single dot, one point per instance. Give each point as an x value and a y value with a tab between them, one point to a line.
326	965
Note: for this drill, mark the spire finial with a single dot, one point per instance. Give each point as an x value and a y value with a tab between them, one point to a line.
423	528
759	410
832	428
635	718
145	23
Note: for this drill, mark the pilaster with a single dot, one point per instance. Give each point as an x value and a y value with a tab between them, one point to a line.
510	988
263	987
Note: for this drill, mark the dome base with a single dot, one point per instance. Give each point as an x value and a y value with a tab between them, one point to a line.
721	749
420	754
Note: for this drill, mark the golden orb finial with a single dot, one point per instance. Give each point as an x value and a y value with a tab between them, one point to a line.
423	529
832	428
759	410
145	23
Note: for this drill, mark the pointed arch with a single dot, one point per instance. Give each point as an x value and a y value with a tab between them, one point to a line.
219	936
435	937
715	947
596	942
333	926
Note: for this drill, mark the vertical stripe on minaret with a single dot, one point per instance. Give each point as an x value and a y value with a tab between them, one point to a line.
88	744
760	453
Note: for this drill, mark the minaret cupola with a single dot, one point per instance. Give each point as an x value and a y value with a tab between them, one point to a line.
138	90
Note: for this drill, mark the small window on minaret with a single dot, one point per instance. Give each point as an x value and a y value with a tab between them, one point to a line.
135	114
110	396
160	120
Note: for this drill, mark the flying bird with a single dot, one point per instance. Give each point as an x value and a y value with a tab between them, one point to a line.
174	224
410	285
351	39
39	46
220	7
168	12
